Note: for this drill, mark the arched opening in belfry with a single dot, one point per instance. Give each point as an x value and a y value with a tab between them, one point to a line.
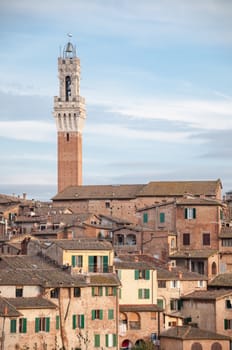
67	88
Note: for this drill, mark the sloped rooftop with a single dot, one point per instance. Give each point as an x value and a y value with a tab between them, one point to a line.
187	332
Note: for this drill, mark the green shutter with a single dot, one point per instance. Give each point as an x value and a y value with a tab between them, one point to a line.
179	304
24	328
37	324
140	293
136	274
120	293
74	321
82	321
145	218
91	263
57	322
114	340
147	274
97	340
162	217
73	261
13	326
107	292
47	323
160	303
101	314
114	291
100	291
194	213
147	293
107	340
105	263
186	213
110	314
226	324
93	314
93	292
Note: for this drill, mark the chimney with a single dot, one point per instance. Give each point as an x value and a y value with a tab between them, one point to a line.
24	195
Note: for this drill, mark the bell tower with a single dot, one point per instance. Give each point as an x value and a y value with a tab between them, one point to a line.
69	113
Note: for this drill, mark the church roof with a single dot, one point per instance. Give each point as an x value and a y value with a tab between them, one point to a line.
152	189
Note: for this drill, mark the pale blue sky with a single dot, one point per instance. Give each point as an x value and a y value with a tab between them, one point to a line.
156	75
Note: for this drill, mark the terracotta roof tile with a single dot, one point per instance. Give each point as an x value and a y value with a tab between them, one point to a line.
222	280
7	309
194	333
83	244
31	303
208	294
205	253
99	192
179	188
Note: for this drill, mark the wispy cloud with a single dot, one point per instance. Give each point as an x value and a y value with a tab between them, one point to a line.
33	131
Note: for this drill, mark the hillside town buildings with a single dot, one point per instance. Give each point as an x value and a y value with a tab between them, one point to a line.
114	266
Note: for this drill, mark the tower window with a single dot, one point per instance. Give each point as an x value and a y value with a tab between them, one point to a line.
67	88
67	136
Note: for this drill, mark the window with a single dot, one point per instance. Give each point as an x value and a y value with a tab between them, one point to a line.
96	340
77	261
107	205
175	304
144	293
67	137
96	291
162	218
54	293
227	242
175	284
97	314
145	218
13	324
42	324
98	264
78	321
200	284
142	274
76	292
153	315
111	291
190	213
228	304
216	346
22	325
57	322
161	284
19	292
110	314
206	238
67	88
227	324
186	238
160	303
111	340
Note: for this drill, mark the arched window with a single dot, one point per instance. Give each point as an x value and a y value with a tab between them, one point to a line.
214	268
131	239
120	240
196	346
67	87
216	346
